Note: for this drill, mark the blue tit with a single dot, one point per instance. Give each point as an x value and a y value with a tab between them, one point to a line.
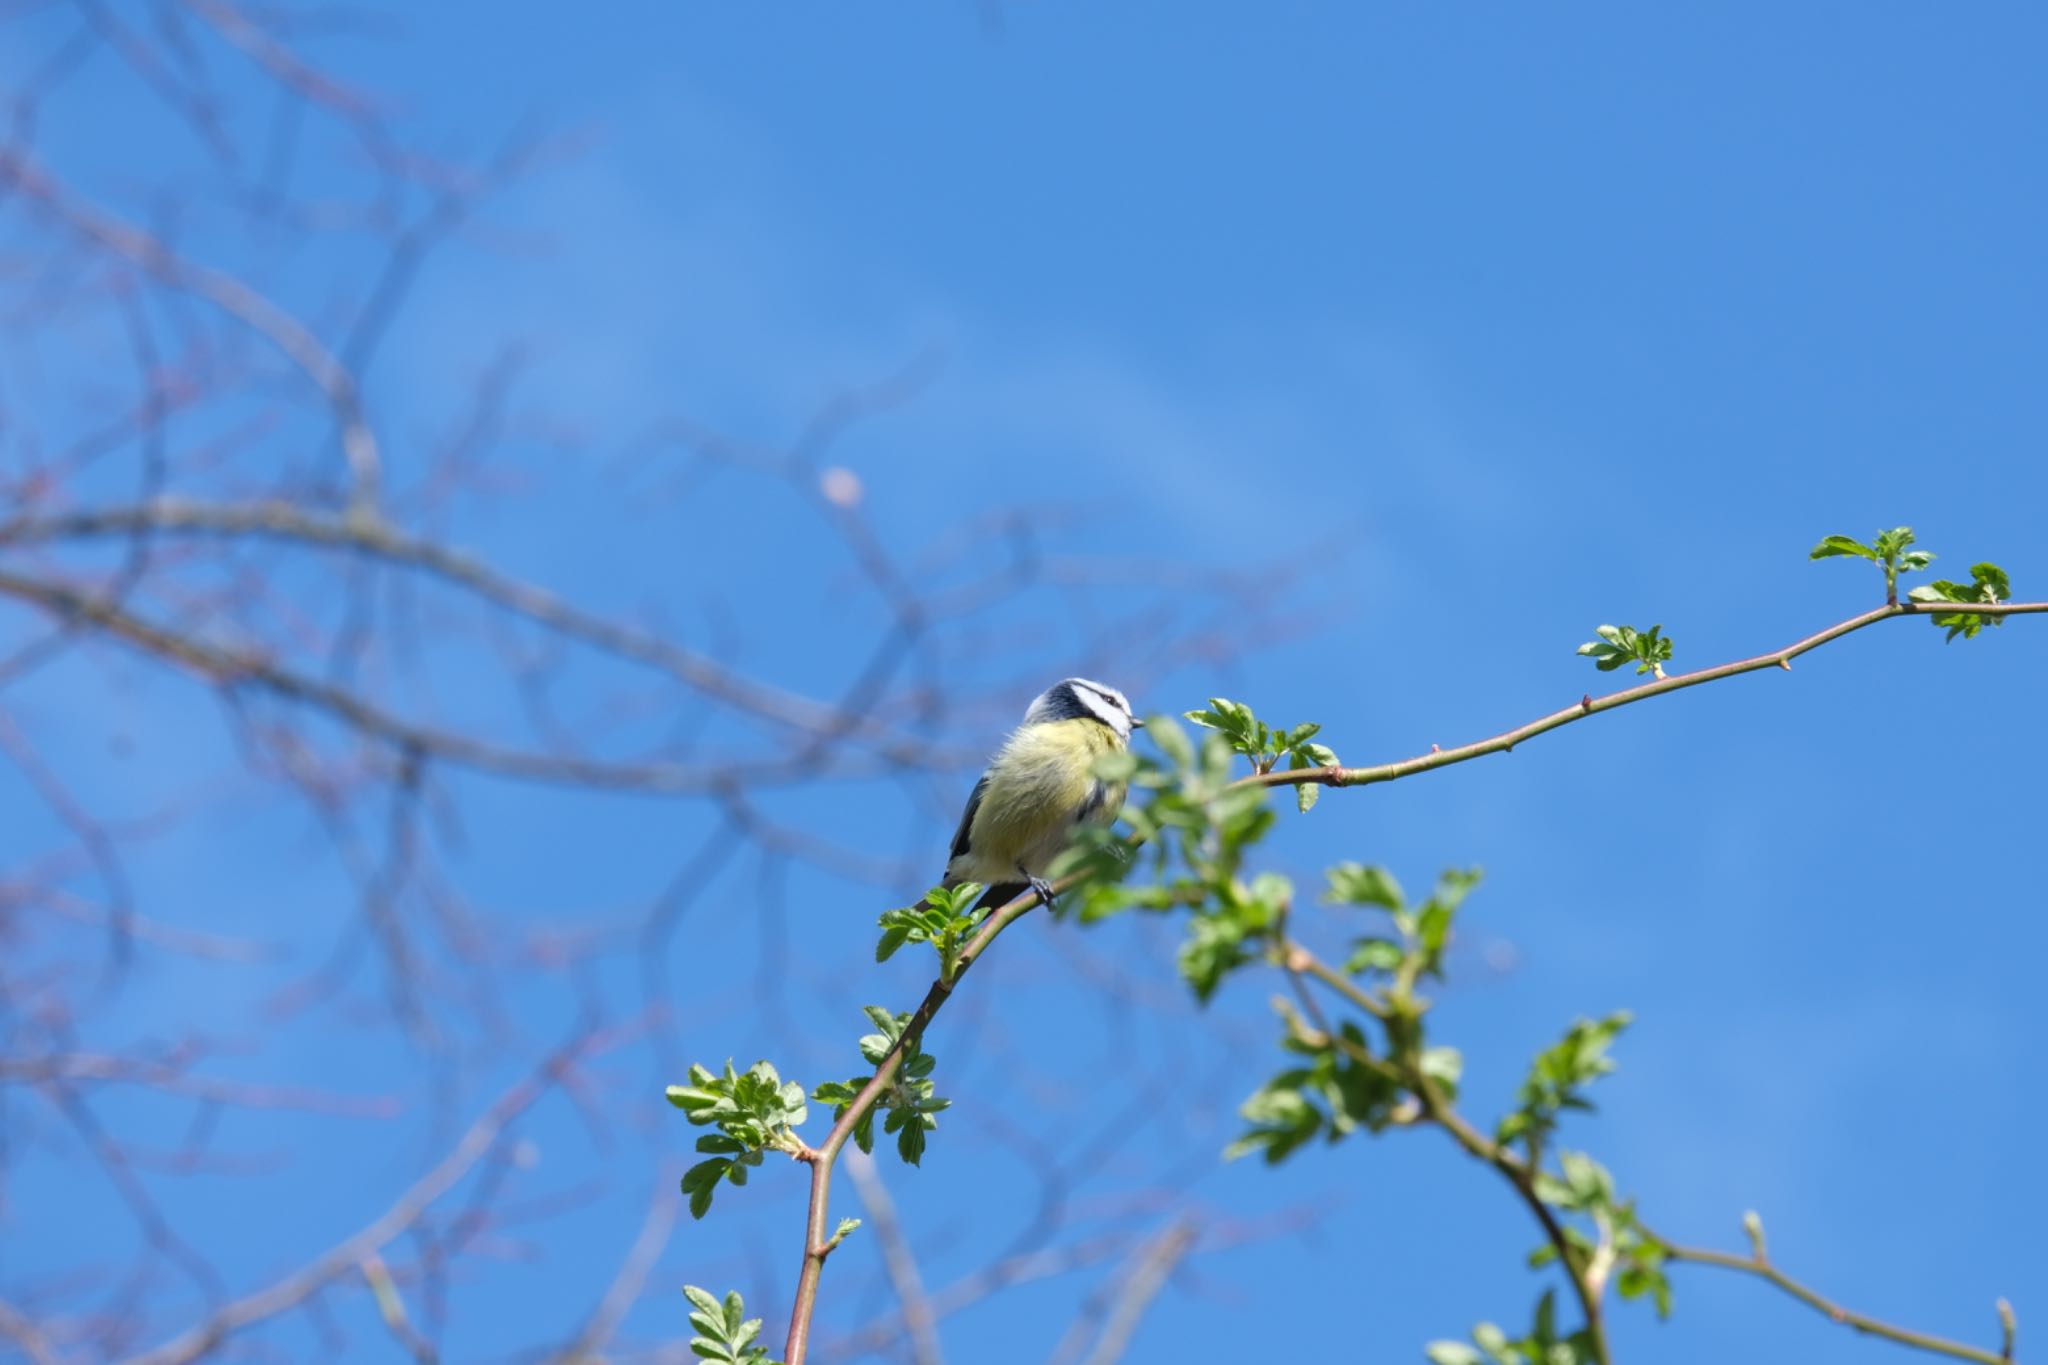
1041	785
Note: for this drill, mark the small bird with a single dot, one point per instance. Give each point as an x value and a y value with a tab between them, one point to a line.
1040	785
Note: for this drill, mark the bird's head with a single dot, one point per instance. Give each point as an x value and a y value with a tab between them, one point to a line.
1083	699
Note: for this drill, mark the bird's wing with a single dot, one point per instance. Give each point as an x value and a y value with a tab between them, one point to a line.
967	817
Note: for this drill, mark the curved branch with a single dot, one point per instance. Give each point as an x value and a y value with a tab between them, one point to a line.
243	668
1761	1267
349	1253
291	337
373	536
1436	1107
822	1158
1590	705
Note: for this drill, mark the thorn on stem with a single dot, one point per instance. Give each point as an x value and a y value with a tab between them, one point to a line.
1785	664
1436	748
2010	1326
1586	702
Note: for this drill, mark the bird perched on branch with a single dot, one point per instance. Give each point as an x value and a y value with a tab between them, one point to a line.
1040	785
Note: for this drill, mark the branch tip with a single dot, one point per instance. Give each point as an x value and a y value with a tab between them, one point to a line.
1753	1226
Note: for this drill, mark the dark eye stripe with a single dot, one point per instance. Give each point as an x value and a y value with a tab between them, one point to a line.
1114	699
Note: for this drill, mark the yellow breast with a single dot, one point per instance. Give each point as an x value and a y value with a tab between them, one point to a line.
1040	785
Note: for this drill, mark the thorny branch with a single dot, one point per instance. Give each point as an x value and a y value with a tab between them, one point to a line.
816	1247
1759	1264
1593	706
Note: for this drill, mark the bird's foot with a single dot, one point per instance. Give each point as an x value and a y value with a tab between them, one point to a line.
1044	890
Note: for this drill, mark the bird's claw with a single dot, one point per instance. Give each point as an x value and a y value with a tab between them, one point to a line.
1044	890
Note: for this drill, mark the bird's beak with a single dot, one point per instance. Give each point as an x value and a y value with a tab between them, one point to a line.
1137	724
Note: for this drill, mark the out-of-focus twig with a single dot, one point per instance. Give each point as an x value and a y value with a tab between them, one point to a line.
1140	1282
1760	1265
918	1320
625	1287
350	1253
19	1328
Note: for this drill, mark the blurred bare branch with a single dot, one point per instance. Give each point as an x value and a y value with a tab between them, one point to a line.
239	592
919	1323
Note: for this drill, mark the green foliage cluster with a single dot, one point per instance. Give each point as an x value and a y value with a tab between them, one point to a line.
1649	650
1542	1345
1193	830
1265	747
909	1108
755	1111
1376	1067
945	918
724	1331
1358	1053
1887	549
1988	583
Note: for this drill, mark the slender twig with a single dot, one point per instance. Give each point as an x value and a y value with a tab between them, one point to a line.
1155	1264
351	1251
816	1247
822	1158
231	668
1437	1107
19	1328
391	1309
378	538
232	296
1592	706
173	1078
918	1320
1760	1266
632	1277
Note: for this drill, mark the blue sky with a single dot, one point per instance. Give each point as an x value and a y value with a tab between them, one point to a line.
1493	326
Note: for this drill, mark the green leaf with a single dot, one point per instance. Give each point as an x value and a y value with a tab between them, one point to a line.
910	1140
1119	765
1648	650
1357	884
1558	1076
1988	583
1842	545
1374	955
1432	928
1452	1353
699	1182
1171	741
725	1333
891	940
1214	945
1445	1066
